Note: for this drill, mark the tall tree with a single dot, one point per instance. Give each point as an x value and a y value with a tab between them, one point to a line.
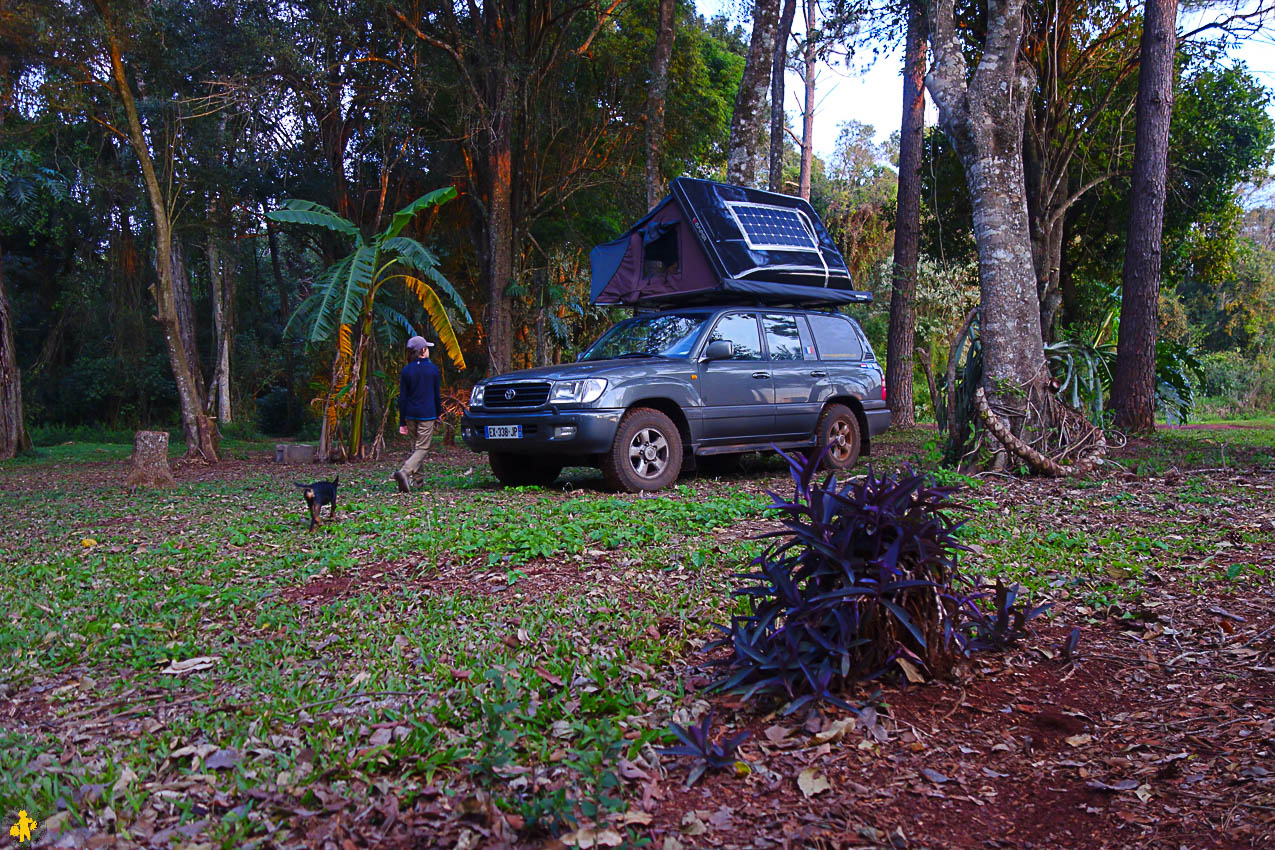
907	225
809	61
983	114
507	55
1133	384
778	72
746	120
13	430
664	34
201	436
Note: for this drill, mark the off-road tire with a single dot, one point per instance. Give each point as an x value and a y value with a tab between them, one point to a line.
646	453
514	470
839	425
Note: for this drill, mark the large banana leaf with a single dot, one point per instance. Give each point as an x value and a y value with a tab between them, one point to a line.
355	283
317	215
421	260
437	317
315	315
407	213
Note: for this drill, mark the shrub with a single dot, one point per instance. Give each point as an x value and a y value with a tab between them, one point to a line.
865	578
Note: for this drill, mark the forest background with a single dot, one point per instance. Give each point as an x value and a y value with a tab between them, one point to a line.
549	134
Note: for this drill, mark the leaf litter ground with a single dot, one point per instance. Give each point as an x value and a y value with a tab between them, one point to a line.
474	667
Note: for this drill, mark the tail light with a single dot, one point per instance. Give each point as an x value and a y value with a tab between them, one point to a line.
883	390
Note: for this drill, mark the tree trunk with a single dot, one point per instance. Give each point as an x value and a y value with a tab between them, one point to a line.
362	357
221	286
499	250
808	110
778	69
746	120
285	312
656	99
1133	385
148	466
907	226
200	436
983	113
13	432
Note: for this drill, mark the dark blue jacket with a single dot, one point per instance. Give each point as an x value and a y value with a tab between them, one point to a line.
420	393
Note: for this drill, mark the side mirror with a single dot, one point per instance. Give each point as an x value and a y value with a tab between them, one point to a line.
719	349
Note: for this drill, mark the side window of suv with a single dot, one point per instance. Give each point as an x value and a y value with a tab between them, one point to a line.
782	337
836	338
740	329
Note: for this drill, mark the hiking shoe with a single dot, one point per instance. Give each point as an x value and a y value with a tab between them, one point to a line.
401	480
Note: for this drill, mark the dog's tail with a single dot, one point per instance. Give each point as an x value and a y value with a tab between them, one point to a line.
335	480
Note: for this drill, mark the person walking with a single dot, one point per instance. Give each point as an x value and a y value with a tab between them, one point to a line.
420	403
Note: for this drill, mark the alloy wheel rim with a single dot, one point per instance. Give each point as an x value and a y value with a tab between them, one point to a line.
838	438
648	453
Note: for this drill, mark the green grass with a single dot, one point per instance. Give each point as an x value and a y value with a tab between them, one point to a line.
520	641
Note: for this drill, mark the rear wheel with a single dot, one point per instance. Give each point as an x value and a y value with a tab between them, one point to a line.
523	470
646	453
839	431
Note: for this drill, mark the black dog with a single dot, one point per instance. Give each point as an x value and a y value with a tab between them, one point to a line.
317	495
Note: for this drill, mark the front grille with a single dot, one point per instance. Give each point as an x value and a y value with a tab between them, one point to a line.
511	395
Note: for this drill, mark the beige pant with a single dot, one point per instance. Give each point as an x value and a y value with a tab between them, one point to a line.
420	432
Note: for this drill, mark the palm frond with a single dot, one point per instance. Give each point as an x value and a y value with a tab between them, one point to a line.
437	317
355	282
320	307
407	213
316	215
421	260
390	321
345	340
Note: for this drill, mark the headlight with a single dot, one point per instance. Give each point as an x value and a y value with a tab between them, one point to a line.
476	396
577	392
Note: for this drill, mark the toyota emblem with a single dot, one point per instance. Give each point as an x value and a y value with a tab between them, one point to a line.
509	394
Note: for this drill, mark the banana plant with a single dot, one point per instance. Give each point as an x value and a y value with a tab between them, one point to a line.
344	296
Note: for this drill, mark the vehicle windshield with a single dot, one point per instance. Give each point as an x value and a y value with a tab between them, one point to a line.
669	335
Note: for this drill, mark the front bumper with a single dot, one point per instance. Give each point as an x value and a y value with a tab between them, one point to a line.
544	432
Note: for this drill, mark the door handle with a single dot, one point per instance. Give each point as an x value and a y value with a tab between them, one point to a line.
818	374
761	374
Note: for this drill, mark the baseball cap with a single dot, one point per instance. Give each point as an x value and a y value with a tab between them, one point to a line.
416	343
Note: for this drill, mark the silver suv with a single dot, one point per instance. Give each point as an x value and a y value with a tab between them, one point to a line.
662	392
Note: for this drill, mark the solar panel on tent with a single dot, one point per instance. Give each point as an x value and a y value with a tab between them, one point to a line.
769	228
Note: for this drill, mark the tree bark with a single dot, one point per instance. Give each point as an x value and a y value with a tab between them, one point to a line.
221	286
778	70
148	465
907	226
656	99
808	111
983	113
200	436
1133	385
285	312
13	432
500	245
746	120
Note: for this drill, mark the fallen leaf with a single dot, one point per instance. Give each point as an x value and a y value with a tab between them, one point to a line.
88	542
692	825
934	776
381	737
812	782
910	670
190	665
223	759
636	816
122	781
835	731
587	836
1079	740
777	734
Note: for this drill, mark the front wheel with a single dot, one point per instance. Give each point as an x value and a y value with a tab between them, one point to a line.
646	453
522	470
839	431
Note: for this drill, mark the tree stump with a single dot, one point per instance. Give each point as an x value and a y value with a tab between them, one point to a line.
148	467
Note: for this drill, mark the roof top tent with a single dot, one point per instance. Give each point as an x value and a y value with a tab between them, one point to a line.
713	243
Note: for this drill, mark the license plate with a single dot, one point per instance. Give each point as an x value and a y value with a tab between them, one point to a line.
504	432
